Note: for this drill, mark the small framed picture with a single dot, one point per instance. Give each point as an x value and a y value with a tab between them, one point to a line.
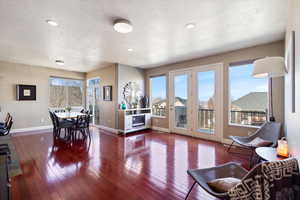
26	92
107	93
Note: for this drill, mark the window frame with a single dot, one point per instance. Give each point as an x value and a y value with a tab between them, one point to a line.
150	92
75	79
236	64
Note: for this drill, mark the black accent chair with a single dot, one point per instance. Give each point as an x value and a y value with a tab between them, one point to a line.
6	129
269	131
82	125
203	176
235	170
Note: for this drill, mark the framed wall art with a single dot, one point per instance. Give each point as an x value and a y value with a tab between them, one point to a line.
26	92
107	93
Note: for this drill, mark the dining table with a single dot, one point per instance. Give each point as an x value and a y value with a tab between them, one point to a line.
69	115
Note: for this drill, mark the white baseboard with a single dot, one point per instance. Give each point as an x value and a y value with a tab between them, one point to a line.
160	129
36	128
107	128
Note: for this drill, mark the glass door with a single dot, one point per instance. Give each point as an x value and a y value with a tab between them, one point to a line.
195	102
207	102
93	97
180	102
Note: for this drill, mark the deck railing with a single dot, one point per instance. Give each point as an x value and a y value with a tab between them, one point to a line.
207	116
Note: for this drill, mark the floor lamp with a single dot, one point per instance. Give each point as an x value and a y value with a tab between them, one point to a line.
269	67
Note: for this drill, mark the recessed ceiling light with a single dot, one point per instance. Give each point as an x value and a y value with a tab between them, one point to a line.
59	62
123	26
51	22
190	25
130	49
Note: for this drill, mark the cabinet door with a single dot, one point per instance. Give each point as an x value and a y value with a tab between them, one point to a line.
148	121
128	122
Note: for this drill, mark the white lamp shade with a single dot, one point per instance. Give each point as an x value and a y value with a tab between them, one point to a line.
269	66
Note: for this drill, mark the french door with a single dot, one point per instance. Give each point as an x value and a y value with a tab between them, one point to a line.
93	97
195	105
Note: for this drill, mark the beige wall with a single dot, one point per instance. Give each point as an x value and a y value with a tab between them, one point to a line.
108	76
292	120
28	114
272	49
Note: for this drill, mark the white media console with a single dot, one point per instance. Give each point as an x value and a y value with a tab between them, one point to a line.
131	120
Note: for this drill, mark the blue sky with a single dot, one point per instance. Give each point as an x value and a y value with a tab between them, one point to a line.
158	87
241	83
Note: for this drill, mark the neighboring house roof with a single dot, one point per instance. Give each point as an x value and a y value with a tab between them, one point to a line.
254	101
178	102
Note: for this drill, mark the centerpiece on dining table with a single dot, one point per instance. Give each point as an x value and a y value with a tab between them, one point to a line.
68	108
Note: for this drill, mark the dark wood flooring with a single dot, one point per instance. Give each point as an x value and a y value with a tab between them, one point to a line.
146	165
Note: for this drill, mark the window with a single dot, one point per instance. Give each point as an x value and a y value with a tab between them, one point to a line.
65	92
248	96
158	95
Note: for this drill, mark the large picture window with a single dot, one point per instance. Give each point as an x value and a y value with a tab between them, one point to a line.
65	92
248	96
158	95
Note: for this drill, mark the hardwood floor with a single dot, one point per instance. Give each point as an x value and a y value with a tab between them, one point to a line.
147	165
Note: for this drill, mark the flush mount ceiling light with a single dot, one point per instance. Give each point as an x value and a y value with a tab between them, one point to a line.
51	22
130	49
190	25
60	62
122	26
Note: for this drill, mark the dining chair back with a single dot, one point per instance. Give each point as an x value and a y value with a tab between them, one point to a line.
82	125
7	117
6	120
53	120
59	110
6	130
82	121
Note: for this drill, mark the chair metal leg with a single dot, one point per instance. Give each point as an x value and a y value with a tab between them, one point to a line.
251	158
186	197
230	146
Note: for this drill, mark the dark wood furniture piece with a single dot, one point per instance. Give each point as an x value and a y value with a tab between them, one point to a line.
4	181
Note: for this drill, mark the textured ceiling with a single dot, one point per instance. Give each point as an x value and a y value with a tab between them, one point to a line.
85	38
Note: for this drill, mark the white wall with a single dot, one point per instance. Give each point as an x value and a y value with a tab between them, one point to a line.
126	74
292	120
